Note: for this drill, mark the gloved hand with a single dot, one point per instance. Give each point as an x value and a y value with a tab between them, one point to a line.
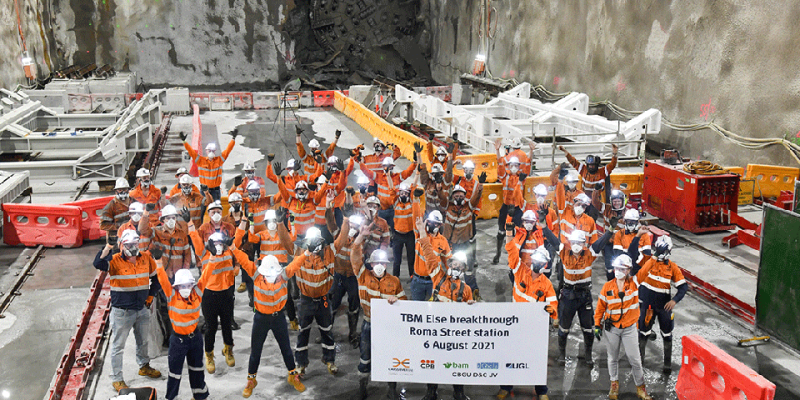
270	157
418	192
598	186
450	147
550	310
235	133
522	176
613	222
229	241
185	214
298	165
157	253
164	190
482	177
277	168
203	189
417	147
338	133
148	302
598	332
455	136
563	171
298	130
237	180
112	240
350	190
280	214
340	164
150	207
182	135
318	157
250	217
542	215
431	135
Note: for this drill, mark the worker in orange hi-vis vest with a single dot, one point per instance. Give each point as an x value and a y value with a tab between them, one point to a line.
457	229
336	175
301	207
616	316
147	194
512	178
310	158
386	182
193	201
592	176
374	162
116	212
525	160
344	281
293	175
565	183
135	211
177	188
241	181
403	231
209	168
373	283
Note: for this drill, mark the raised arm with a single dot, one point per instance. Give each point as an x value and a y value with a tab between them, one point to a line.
227	151
477	192
191	151
241	257
163	280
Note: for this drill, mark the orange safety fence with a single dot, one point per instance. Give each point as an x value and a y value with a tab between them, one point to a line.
197	138
486	162
770	180
47	225
492	200
91	214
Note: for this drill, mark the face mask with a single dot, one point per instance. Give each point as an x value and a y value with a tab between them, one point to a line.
631	226
216	217
438	178
211	154
378	149
218	248
186	191
620	274
537	268
302	196
353	232
404	199
272	226
122	196
514	169
661	256
432	229
185	292
272	275
571	185
145	184
236	207
333	169
441	158
468	175
578	210
362	189
540	200
132	251
171	223
254	197
455	273
576	248
136	217
379	270
371	213
249	175
291	172
528	226
458	202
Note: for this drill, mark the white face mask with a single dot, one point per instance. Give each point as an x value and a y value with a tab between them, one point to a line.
122	196
272	226
514	169
455	273
218	248
249	175
620	274
353	232
211	154
171	223
540	200
302	196
528	226
576	248
272	274
216	217
379	270
145	185
371	213
571	185
185	293
441	158
291	171
579	210
136	217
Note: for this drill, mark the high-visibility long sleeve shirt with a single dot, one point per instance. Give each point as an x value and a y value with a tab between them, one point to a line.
655	280
429	148
114	214
387	184
177	189
303	211
184	313
220	267
525	243
144	243
619	306
242	188
315	274
374	162
588	179
524	160
268	298
279	244
457	227
528	289
470	185
291	179
371	287
403	216
571	222
342	249
259	209
622	241
195	202
206	230
337	183
132	282
436	193
578	267
445	288
426	266
175	245
209	169
510	183
153	196
309	162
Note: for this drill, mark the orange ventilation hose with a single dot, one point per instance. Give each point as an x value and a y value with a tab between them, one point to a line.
19	26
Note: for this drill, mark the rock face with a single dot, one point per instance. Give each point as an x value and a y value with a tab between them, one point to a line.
731	62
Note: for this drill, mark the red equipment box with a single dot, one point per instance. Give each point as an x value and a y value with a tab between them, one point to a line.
696	203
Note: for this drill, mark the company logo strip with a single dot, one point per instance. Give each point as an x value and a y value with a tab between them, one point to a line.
488	365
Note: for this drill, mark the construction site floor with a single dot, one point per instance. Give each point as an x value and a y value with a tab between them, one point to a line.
40	322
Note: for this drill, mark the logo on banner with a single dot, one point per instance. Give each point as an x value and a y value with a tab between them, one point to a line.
488	365
400	366
516	366
426	364
450	365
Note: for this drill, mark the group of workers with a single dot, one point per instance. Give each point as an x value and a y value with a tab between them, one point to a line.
301	250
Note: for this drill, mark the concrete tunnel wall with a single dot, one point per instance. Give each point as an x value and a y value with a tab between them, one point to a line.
733	62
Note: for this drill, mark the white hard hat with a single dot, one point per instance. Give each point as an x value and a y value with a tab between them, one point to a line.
356	219
437	168
631	214
529	215
516	143
314	144
403	187
373	200
313	232
379	257
577	235
129	236
622	261
234	197
322	180
539	258
387	161
217	237
460	257
301	185
122	183
378	141
216	204
333	160
253	185
183	277
582	198
513	160
469	165
441	150
435	216
181	171
290	164
168	211
211	146
267	263
142	172
459	188
248	166
362	180
270	214
540	190
136	207
185	179
572	177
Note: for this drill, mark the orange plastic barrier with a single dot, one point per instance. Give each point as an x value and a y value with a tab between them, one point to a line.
530	183
492	198
323	98
483	163
197	138
628	183
91	216
710	373
771	179
51	226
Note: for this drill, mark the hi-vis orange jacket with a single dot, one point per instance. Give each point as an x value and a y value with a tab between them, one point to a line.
268	298
623	311
209	169
445	288
315	275
220	269
183	313
526	288
371	287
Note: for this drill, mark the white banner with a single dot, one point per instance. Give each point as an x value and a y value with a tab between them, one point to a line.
457	343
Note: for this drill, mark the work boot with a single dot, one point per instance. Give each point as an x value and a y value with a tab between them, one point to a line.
502	394
500	242
362	387
294	379
227	351
544	397
332	368
119	385
251	384
391	393
234	325
294	325
642	393
667	357
242	287
613	393
562	350
148	371
352	324
301	372
431	393
458	393
642	346
210	367
588	341
476	295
